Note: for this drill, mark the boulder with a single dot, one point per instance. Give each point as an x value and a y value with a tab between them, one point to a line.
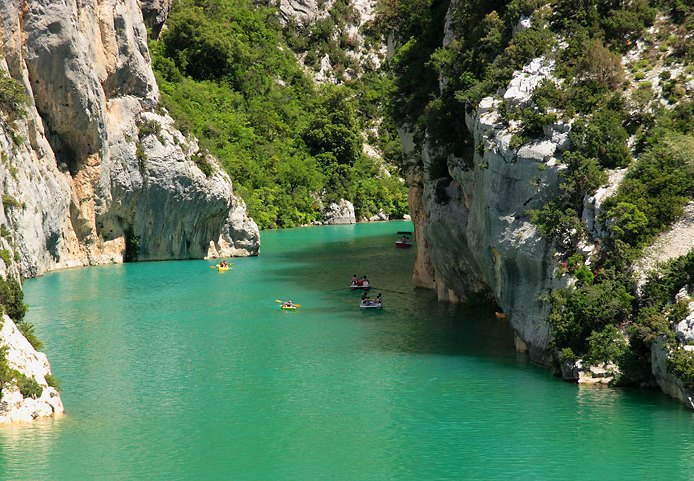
340	213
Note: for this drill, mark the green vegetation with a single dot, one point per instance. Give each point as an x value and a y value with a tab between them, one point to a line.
52	382
227	76
13	98
5	256
11	202
27	386
658	310
658	185
27	330
577	314
12	299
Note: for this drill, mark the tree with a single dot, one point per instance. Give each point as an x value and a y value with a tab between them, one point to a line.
600	67
627	222
334	129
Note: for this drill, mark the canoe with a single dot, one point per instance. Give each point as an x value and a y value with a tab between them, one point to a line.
356	287
371	305
288	308
222	269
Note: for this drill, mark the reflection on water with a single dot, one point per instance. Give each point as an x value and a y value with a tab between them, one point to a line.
172	371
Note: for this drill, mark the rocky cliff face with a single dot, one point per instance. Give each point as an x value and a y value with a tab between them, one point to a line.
473	233
24	358
96	163
95	167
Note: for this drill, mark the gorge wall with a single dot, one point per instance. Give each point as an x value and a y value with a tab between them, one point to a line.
96	162
473	233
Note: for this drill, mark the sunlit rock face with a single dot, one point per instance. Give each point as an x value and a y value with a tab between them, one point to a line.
473	232
20	355
94	168
96	164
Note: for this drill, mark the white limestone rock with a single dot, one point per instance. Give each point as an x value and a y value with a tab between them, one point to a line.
379	217
304	10
592	204
23	357
472	228
668	383
340	213
523	83
673	243
684	330
86	175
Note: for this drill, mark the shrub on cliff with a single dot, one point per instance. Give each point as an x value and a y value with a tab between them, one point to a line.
576	313
603	138
27	330
681	364
606	345
12	299
13	97
658	186
28	386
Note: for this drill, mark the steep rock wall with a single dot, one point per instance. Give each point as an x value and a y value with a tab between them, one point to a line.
100	159
473	231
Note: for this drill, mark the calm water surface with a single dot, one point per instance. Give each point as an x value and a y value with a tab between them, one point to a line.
172	370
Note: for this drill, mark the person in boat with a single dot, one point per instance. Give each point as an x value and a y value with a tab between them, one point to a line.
355	280
378	299
223	263
364	282
288	304
364	296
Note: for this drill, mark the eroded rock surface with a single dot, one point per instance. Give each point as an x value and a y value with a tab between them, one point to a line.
102	165
473	231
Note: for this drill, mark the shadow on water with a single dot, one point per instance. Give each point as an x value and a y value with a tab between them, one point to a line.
412	321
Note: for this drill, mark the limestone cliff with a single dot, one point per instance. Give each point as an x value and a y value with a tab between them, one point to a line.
92	167
473	234
34	365
96	163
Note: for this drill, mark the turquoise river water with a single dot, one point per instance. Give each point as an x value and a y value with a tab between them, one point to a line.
171	370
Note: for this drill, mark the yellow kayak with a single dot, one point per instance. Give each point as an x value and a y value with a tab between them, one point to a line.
222	269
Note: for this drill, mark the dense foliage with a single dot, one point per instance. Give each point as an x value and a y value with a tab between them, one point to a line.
227	76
